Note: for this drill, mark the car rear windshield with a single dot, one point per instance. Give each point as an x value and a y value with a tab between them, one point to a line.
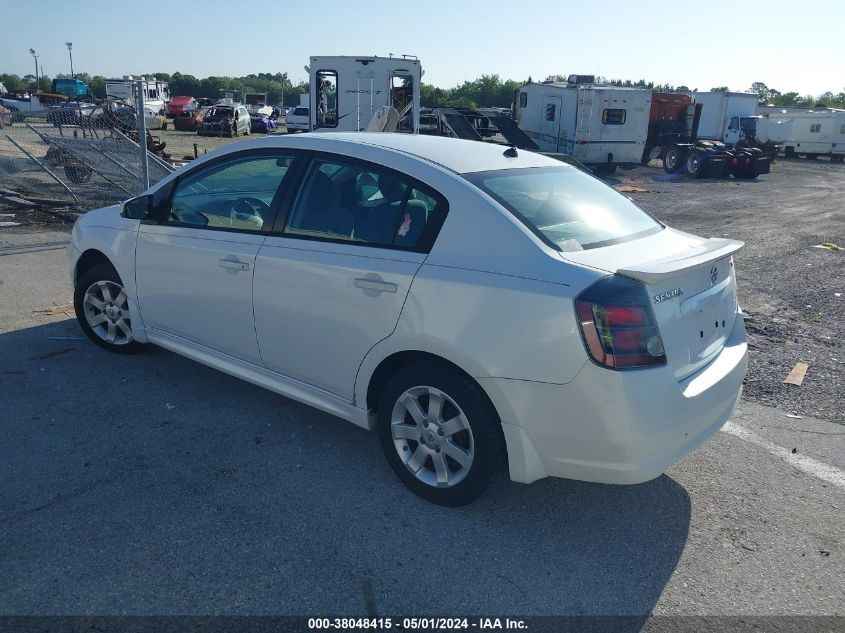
300	112
567	208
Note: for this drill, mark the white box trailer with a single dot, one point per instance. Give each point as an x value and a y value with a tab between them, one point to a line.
346	91
812	132
604	126
721	114
156	93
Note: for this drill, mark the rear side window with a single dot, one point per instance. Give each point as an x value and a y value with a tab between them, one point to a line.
614	116
367	205
567	208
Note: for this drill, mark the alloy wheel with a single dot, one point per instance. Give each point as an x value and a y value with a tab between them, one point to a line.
432	436
106	309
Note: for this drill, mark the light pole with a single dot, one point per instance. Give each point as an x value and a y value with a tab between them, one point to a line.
35	55
70	52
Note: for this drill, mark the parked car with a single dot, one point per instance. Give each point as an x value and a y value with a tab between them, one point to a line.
68	113
225	120
298	120
188	121
262	123
179	104
473	304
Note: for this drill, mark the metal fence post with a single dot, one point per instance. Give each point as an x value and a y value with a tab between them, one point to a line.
142	134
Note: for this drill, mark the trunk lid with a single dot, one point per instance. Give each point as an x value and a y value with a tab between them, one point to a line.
691	286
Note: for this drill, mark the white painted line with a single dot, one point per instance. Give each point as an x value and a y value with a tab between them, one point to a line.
811	466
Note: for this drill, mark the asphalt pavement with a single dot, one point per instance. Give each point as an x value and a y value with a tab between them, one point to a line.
153	485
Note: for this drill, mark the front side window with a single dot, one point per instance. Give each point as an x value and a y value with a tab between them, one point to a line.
614	116
327	98
364	204
235	194
568	208
734	124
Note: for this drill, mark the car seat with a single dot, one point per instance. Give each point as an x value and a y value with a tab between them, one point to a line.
321	211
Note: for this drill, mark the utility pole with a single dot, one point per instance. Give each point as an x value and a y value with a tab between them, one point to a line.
35	56
70	52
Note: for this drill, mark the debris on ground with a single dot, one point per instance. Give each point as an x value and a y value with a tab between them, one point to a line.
67	309
829	246
632	189
795	417
796	376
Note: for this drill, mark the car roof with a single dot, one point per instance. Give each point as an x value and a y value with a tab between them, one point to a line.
457	155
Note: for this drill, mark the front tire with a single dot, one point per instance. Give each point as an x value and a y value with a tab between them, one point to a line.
102	310
440	433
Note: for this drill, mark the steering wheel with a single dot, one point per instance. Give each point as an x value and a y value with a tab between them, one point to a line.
248	209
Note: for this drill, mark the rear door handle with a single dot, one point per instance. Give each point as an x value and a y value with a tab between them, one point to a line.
374	284
233	264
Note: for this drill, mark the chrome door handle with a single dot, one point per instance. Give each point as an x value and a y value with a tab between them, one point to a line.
374	284
233	264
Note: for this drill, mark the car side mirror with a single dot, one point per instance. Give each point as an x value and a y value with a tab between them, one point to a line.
138	208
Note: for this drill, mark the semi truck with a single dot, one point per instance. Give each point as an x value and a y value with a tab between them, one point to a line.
71	88
601	126
702	157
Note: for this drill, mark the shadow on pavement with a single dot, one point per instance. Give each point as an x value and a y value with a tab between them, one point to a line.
153	485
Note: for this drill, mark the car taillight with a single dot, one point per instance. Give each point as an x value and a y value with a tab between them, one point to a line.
618	325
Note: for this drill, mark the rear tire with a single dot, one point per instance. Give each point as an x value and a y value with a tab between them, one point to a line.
102	310
696	163
446	453
673	160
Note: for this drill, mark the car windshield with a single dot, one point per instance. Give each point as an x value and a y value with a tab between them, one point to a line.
220	113
568	208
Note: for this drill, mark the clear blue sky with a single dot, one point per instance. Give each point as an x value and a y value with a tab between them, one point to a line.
787	45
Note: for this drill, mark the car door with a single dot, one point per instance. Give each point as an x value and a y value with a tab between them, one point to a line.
194	262
331	281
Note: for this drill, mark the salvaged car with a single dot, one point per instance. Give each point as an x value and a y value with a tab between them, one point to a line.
476	306
225	120
188	121
179	104
261	122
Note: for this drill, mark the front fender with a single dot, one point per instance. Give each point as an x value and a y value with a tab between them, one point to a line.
115	238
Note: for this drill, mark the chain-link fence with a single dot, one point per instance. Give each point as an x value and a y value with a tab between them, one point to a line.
80	156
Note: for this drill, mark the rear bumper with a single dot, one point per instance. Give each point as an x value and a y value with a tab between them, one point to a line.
617	427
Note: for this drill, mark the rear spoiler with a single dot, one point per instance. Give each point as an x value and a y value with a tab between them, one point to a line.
659	270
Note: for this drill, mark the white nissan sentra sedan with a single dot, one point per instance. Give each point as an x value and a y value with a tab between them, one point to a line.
475	305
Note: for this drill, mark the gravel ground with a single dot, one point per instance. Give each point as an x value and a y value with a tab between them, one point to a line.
792	293
181	144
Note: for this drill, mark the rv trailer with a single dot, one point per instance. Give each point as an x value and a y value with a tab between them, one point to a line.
812	132
346	93
156	93
600	126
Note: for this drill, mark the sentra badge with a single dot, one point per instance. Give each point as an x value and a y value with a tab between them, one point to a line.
669	294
